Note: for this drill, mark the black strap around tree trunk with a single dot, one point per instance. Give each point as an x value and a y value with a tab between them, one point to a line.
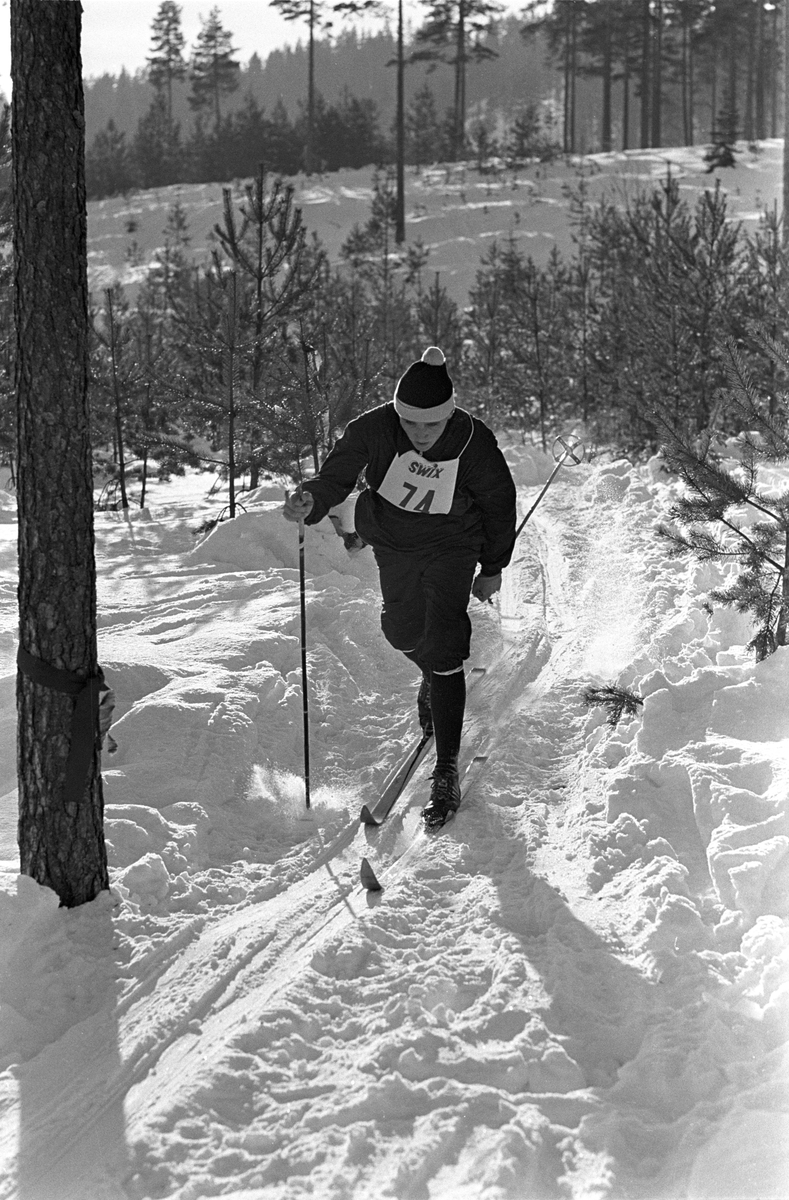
84	719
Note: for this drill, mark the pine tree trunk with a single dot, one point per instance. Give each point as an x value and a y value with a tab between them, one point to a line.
626	103
657	76
308	149
566	145
774	74
400	119
606	136
61	837
460	85
646	51
685	87
232	335
786	126
116	395
761	74
731	82
570	68
691	94
783	616
714	92
750	79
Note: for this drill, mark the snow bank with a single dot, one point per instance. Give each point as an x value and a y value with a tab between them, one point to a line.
688	836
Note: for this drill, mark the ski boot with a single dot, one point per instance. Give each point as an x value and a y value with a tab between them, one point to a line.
444	798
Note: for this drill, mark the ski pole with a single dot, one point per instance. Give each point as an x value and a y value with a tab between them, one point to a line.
304	677
572	449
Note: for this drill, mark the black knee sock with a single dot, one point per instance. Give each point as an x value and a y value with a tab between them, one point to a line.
448	704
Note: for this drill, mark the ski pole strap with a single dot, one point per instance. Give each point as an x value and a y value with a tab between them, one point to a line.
84	719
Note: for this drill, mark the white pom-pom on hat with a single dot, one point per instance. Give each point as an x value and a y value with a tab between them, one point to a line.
433	357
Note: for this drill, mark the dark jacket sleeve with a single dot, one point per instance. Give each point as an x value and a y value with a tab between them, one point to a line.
338	475
493	489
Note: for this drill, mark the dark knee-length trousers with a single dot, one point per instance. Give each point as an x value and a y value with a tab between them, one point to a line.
425	604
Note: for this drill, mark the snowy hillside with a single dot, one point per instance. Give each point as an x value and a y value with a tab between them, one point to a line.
577	990
456	211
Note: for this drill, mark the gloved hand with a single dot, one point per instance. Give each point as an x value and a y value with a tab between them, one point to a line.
485	586
298	506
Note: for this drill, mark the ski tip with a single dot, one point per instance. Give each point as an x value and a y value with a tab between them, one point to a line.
368	877
366	816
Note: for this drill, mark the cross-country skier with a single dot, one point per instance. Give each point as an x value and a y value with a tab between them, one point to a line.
439	499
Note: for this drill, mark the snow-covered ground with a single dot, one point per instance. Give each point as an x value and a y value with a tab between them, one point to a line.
577	990
456	211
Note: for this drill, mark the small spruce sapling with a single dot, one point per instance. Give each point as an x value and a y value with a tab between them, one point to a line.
710	518
617	701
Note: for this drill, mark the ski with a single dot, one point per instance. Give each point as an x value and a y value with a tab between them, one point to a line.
396	783
367	876
403	773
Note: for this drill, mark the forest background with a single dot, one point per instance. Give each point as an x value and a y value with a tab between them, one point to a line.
571	76
249	354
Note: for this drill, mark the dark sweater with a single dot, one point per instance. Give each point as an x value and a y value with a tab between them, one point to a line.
483	509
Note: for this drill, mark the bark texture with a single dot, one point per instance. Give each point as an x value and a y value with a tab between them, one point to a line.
61	839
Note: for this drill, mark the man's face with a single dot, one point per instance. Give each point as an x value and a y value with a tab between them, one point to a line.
423	434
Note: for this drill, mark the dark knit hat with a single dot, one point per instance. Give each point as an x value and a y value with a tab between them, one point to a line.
425	391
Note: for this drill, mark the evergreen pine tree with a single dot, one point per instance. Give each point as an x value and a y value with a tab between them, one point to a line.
311	11
247	140
767	269
325	376
318	15
363	143
170	274
157	152
670	293
486	310
284	152
158	431
455	33
61	804
114	378
273	269
422	128
213	70
377	265
109	167
540	323
155	435
166	61
530	135
439	320
713	518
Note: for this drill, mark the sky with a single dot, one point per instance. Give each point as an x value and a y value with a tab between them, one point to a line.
117	33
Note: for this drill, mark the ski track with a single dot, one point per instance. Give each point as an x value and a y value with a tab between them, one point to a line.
217	976
417	925
435	1022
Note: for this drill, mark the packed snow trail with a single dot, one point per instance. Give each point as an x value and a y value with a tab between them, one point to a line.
574	990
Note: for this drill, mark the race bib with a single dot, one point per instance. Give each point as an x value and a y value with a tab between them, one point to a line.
416	485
